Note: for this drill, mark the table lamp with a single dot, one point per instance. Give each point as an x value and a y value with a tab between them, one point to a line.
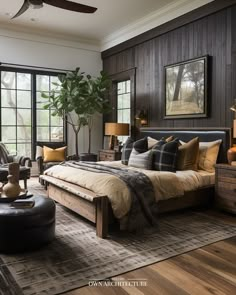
115	129
231	153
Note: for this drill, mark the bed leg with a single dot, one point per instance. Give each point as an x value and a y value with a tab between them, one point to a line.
102	217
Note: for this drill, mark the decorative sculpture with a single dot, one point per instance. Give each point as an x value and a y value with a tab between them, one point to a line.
12	189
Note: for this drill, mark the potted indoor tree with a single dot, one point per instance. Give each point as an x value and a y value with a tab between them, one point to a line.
77	98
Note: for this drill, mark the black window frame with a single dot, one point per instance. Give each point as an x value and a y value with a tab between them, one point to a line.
120	77
34	73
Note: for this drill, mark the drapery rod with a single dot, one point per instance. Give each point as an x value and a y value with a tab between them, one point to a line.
31	67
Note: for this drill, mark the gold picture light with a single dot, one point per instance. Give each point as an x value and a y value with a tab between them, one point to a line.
233	108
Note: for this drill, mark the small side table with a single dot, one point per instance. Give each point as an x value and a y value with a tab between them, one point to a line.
109	155
88	157
225	187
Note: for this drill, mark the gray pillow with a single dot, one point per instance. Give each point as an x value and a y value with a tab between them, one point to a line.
140	160
126	151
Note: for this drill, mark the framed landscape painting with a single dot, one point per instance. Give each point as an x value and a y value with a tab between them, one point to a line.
186	89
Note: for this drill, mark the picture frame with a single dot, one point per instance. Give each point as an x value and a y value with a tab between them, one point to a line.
186	89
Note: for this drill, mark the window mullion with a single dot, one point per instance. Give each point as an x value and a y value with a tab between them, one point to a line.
50	126
16	111
1	106
34	116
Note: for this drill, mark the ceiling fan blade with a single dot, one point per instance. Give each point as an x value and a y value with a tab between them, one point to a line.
23	9
68	5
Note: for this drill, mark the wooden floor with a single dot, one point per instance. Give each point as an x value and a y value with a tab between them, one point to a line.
208	270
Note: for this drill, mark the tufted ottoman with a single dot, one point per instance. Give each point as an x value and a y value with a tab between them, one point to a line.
27	228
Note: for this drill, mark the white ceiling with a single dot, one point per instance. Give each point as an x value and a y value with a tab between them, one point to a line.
113	22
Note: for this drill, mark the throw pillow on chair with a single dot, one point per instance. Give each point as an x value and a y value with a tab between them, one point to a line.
54	155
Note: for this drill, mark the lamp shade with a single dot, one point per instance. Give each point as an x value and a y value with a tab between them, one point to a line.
116	129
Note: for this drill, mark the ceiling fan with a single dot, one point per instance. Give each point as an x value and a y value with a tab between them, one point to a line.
68	5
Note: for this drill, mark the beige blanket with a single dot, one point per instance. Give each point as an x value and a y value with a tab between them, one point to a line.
166	184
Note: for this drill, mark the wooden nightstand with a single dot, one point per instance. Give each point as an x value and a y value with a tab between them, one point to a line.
109	155
225	187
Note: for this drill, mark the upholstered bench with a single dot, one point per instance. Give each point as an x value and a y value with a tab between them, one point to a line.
27	228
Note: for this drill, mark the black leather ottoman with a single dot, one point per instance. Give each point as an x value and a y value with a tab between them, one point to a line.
28	228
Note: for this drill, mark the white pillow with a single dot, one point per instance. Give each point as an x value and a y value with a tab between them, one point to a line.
151	142
140	160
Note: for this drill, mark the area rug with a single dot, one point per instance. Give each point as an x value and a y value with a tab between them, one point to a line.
77	255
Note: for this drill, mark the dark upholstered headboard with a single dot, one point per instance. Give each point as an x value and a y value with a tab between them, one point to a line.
186	134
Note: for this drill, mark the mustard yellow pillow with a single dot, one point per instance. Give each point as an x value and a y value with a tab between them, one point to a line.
169	138
152	141
54	155
187	158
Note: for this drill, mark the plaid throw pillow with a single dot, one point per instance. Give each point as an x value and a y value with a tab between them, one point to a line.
140	146
165	155
126	151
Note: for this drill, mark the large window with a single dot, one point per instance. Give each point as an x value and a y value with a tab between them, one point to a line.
123	100
123	105
22	117
49	128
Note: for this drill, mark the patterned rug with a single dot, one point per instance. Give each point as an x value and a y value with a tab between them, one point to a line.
77	255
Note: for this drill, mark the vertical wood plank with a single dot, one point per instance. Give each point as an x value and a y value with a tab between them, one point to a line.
212	35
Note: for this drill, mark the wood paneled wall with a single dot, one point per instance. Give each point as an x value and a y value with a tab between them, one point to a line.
213	35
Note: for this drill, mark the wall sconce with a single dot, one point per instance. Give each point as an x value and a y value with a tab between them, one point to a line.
142	116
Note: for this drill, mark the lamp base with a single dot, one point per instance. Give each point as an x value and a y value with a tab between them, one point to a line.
113	142
231	155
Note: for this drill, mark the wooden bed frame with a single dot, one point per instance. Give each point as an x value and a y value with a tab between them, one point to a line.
97	209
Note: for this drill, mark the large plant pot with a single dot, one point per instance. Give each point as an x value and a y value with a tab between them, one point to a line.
88	157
